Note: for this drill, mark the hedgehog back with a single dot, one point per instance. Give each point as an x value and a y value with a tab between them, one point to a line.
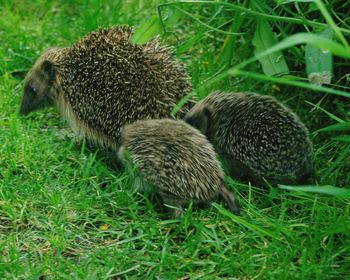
175	158
110	82
261	133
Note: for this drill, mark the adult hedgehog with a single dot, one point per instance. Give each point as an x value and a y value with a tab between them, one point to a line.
257	137
104	81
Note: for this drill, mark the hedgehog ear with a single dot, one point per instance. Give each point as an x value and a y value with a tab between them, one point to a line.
48	68
207	111
200	119
205	119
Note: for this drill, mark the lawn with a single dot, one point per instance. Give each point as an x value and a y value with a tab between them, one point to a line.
66	211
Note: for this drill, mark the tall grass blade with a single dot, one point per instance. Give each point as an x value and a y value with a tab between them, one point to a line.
244	223
230	40
286	81
342	138
343	153
332	116
251	13
338	192
345	126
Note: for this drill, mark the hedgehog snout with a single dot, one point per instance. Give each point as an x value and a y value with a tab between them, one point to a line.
26	106
24	110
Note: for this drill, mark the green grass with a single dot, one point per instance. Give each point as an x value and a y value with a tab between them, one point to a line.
66	213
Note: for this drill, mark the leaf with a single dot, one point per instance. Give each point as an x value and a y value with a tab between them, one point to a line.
336	127
147	31
342	138
182	102
335	191
319	63
265	38
228	49
190	42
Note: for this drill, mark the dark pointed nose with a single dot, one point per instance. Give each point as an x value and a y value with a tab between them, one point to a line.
23	111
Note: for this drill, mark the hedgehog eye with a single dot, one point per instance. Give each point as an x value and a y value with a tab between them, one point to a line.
33	91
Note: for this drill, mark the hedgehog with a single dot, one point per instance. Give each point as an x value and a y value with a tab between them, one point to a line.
176	160
104	81
257	137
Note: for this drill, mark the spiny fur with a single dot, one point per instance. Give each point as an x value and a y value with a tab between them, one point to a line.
256	136
104	81
177	160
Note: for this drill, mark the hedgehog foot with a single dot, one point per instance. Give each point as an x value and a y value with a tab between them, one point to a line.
175	203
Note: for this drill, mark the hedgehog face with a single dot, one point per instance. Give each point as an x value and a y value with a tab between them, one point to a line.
200	118
38	87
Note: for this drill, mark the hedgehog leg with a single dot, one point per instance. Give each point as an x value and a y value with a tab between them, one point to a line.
236	168
175	203
230	200
138	182
307	178
178	213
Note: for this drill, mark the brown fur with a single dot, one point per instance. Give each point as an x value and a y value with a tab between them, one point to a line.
104	81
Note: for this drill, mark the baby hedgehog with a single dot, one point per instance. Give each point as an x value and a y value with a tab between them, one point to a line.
176	160
257	137
104	81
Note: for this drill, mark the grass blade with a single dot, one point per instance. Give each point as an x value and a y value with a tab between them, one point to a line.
332	116
228	45
244	223
343	153
342	138
265	38
285	80
331	22
345	126
251	13
338	192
